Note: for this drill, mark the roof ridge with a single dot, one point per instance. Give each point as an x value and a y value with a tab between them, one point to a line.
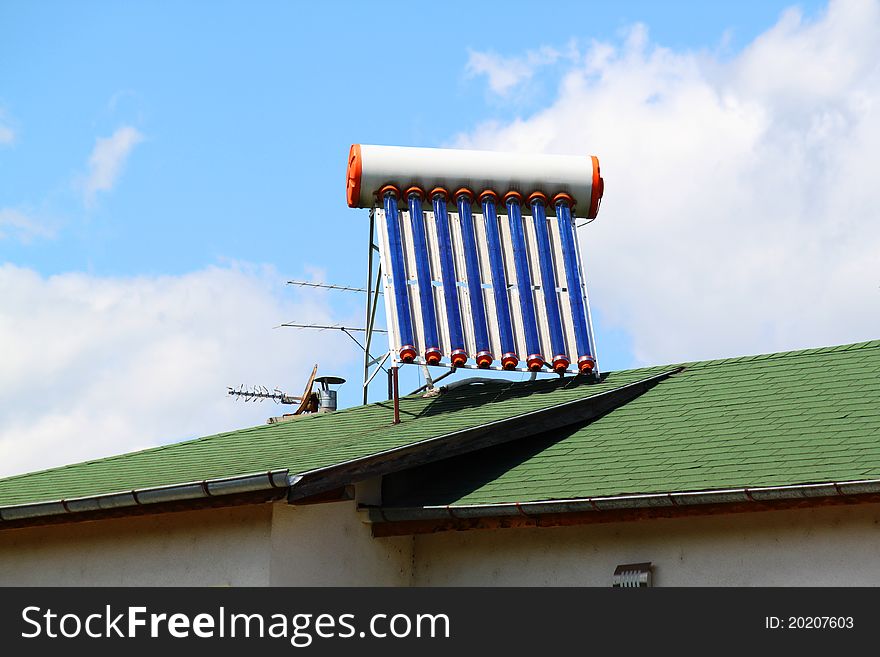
792	353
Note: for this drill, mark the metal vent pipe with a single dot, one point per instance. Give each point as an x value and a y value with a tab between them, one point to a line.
326	396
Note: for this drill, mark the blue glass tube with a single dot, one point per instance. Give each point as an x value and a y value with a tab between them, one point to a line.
423	277
509	359
458	354
475	288
575	291
535	359
548	284
401	293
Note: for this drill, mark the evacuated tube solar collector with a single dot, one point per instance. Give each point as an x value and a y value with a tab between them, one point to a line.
465	285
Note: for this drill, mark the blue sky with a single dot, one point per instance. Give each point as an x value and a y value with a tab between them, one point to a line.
151	141
247	111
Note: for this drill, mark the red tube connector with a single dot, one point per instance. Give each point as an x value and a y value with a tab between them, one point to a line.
509	361
433	356
535	362
540	196
484	359
464	191
490	194
586	364
415	190
560	363
562	197
388	188
408	353
458	358
513	194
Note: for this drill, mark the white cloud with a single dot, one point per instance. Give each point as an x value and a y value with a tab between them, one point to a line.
95	366
21	226
742	211
108	160
506	73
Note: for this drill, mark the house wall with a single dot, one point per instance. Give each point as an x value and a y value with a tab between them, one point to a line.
254	545
209	547
330	545
808	547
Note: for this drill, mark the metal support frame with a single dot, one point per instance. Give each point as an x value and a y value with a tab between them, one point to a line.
395	390
374	286
432	382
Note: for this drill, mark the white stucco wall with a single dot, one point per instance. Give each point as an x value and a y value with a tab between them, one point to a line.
817	547
211	547
330	545
255	545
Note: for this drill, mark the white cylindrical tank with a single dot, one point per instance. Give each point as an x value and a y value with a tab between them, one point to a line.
372	167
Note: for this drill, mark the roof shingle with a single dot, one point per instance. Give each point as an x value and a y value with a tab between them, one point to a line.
776	419
307	442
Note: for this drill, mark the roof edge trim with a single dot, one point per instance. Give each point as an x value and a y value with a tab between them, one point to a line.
378	515
193	490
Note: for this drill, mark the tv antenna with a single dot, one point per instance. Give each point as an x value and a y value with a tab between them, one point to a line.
372	291
305	403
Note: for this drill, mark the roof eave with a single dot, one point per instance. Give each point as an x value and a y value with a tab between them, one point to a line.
223	487
393	521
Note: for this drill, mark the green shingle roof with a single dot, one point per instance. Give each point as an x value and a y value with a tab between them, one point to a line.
772	420
775	419
305	443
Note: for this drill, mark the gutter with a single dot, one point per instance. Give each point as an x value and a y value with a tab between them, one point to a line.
194	490
611	503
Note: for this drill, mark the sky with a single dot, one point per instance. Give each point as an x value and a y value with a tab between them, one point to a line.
166	167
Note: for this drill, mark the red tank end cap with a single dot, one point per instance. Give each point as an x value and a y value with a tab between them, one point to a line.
598	189
432	356
407	353
484	359
535	362
353	176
